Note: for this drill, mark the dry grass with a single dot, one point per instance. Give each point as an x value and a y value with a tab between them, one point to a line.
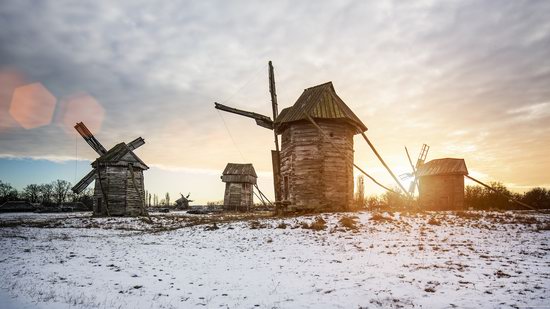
348	222
380	218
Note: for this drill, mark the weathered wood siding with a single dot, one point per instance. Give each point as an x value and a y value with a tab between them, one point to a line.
133	200
442	192
123	200
238	196
315	176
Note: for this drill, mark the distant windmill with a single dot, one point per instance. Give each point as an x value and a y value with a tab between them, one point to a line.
118	175
421	159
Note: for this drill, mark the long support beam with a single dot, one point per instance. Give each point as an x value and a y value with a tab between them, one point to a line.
343	154
384	163
511	198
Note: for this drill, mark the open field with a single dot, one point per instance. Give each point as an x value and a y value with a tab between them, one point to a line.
340	260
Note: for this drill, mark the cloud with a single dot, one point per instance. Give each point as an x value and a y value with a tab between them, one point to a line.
468	78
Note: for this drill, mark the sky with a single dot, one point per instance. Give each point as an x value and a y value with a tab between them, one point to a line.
469	78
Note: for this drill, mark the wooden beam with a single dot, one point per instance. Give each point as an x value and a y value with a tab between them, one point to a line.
90	139
138	142
511	198
343	154
84	182
261	120
384	163
277	163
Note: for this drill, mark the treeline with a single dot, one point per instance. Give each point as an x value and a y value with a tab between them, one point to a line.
475	197
51	194
481	198
59	192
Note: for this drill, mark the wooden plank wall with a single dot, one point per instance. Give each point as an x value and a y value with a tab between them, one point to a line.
123	200
318	177
234	201
442	192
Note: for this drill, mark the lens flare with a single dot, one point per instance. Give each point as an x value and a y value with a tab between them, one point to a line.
32	106
9	80
81	107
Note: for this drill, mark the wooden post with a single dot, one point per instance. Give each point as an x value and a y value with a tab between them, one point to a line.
276	158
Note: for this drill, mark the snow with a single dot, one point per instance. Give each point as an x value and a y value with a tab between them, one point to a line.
390	260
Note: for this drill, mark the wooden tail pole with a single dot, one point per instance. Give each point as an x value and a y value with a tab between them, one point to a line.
511	198
343	154
384	163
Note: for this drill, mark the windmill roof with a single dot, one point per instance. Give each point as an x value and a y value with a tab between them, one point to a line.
117	153
319	102
239	169
446	166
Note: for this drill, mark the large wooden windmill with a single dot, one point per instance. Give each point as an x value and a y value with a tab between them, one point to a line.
118	174
313	168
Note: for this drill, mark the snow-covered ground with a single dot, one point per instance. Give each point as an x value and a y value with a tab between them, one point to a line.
426	260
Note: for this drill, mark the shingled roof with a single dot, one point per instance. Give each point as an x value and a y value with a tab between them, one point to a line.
117	154
319	102
446	166
239	169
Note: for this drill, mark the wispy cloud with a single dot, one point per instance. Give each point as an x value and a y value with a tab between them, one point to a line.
468	78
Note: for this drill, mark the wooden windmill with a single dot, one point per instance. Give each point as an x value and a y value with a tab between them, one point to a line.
118	174
313	170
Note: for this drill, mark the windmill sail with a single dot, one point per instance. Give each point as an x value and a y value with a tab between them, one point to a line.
90	139
136	143
84	182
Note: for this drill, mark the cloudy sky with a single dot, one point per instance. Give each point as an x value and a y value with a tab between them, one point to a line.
469	78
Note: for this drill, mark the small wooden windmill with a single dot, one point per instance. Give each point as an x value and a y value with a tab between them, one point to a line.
118	174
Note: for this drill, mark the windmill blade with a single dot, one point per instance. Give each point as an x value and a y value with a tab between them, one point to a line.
84	182
136	143
414	183
90	139
261	120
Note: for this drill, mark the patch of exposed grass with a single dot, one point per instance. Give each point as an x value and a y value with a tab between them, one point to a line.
348	222
434	221
378	217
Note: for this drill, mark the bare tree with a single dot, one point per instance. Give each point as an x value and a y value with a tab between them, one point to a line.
32	193
7	192
167	198
46	193
360	192
60	190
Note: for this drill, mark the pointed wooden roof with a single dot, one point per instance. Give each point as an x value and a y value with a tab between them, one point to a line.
319	102
120	154
446	166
